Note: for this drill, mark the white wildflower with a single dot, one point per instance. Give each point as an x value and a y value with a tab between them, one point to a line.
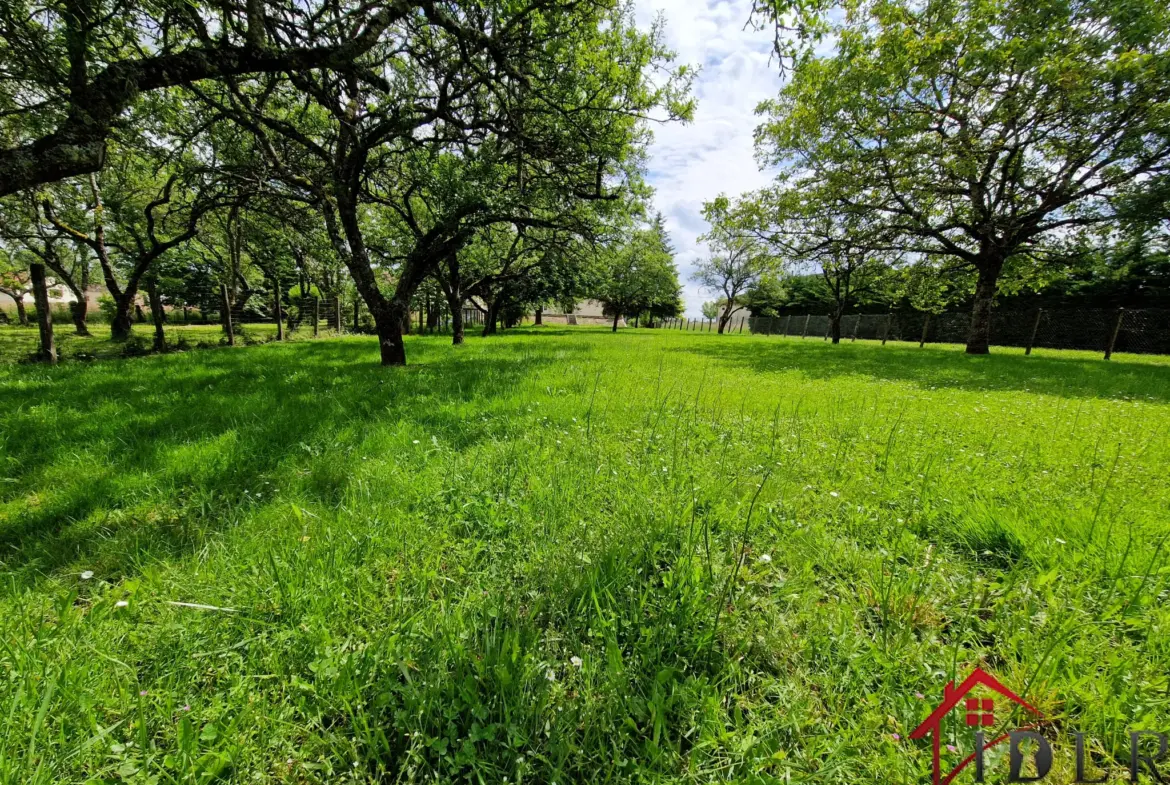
577	661
85	576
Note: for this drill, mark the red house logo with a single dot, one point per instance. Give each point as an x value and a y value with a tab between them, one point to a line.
979	712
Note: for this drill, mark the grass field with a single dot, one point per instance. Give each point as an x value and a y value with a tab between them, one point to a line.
570	556
19	343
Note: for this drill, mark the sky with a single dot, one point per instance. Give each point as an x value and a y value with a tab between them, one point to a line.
691	164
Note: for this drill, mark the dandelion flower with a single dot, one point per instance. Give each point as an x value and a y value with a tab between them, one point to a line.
577	661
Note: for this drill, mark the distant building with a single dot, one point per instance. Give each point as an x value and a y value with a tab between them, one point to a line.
584	312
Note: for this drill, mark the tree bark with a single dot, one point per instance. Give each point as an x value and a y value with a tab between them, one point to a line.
456	325
835	326
122	322
48	348
157	315
979	334
21	311
725	317
276	307
79	311
538	321
490	319
617	315
388	324
227	315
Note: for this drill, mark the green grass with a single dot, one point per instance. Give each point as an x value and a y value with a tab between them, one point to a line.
19	343
403	564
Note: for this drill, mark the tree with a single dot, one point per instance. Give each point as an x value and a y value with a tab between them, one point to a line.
150	209
483	123
71	72
15	282
21	225
738	258
1020	122
711	309
639	276
847	247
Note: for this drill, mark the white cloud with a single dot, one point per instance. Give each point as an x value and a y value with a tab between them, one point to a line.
691	164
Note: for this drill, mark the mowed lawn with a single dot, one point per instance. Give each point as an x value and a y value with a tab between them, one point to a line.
570	556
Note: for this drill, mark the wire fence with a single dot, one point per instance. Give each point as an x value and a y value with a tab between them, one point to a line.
1108	330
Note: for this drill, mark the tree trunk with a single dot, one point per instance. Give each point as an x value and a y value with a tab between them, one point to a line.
538	321
490	319
979	335
156	315
835	326
21	311
48	348
456	325
227	315
276	308
79	310
122	322
455	305
617	315
724	318
388	324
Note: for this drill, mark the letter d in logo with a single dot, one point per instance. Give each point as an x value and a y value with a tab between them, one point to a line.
1043	756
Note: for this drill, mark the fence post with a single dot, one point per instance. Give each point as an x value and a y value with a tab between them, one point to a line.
828	328
787	324
227	315
1116	330
804	332
925	327
856	327
886	332
316	316
741	325
337	313
1035	327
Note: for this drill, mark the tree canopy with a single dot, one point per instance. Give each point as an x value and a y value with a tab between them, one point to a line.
981	133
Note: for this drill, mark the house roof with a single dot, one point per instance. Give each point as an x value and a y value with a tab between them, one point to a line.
952	695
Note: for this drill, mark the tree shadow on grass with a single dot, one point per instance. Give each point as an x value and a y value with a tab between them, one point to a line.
139	447
1072	376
